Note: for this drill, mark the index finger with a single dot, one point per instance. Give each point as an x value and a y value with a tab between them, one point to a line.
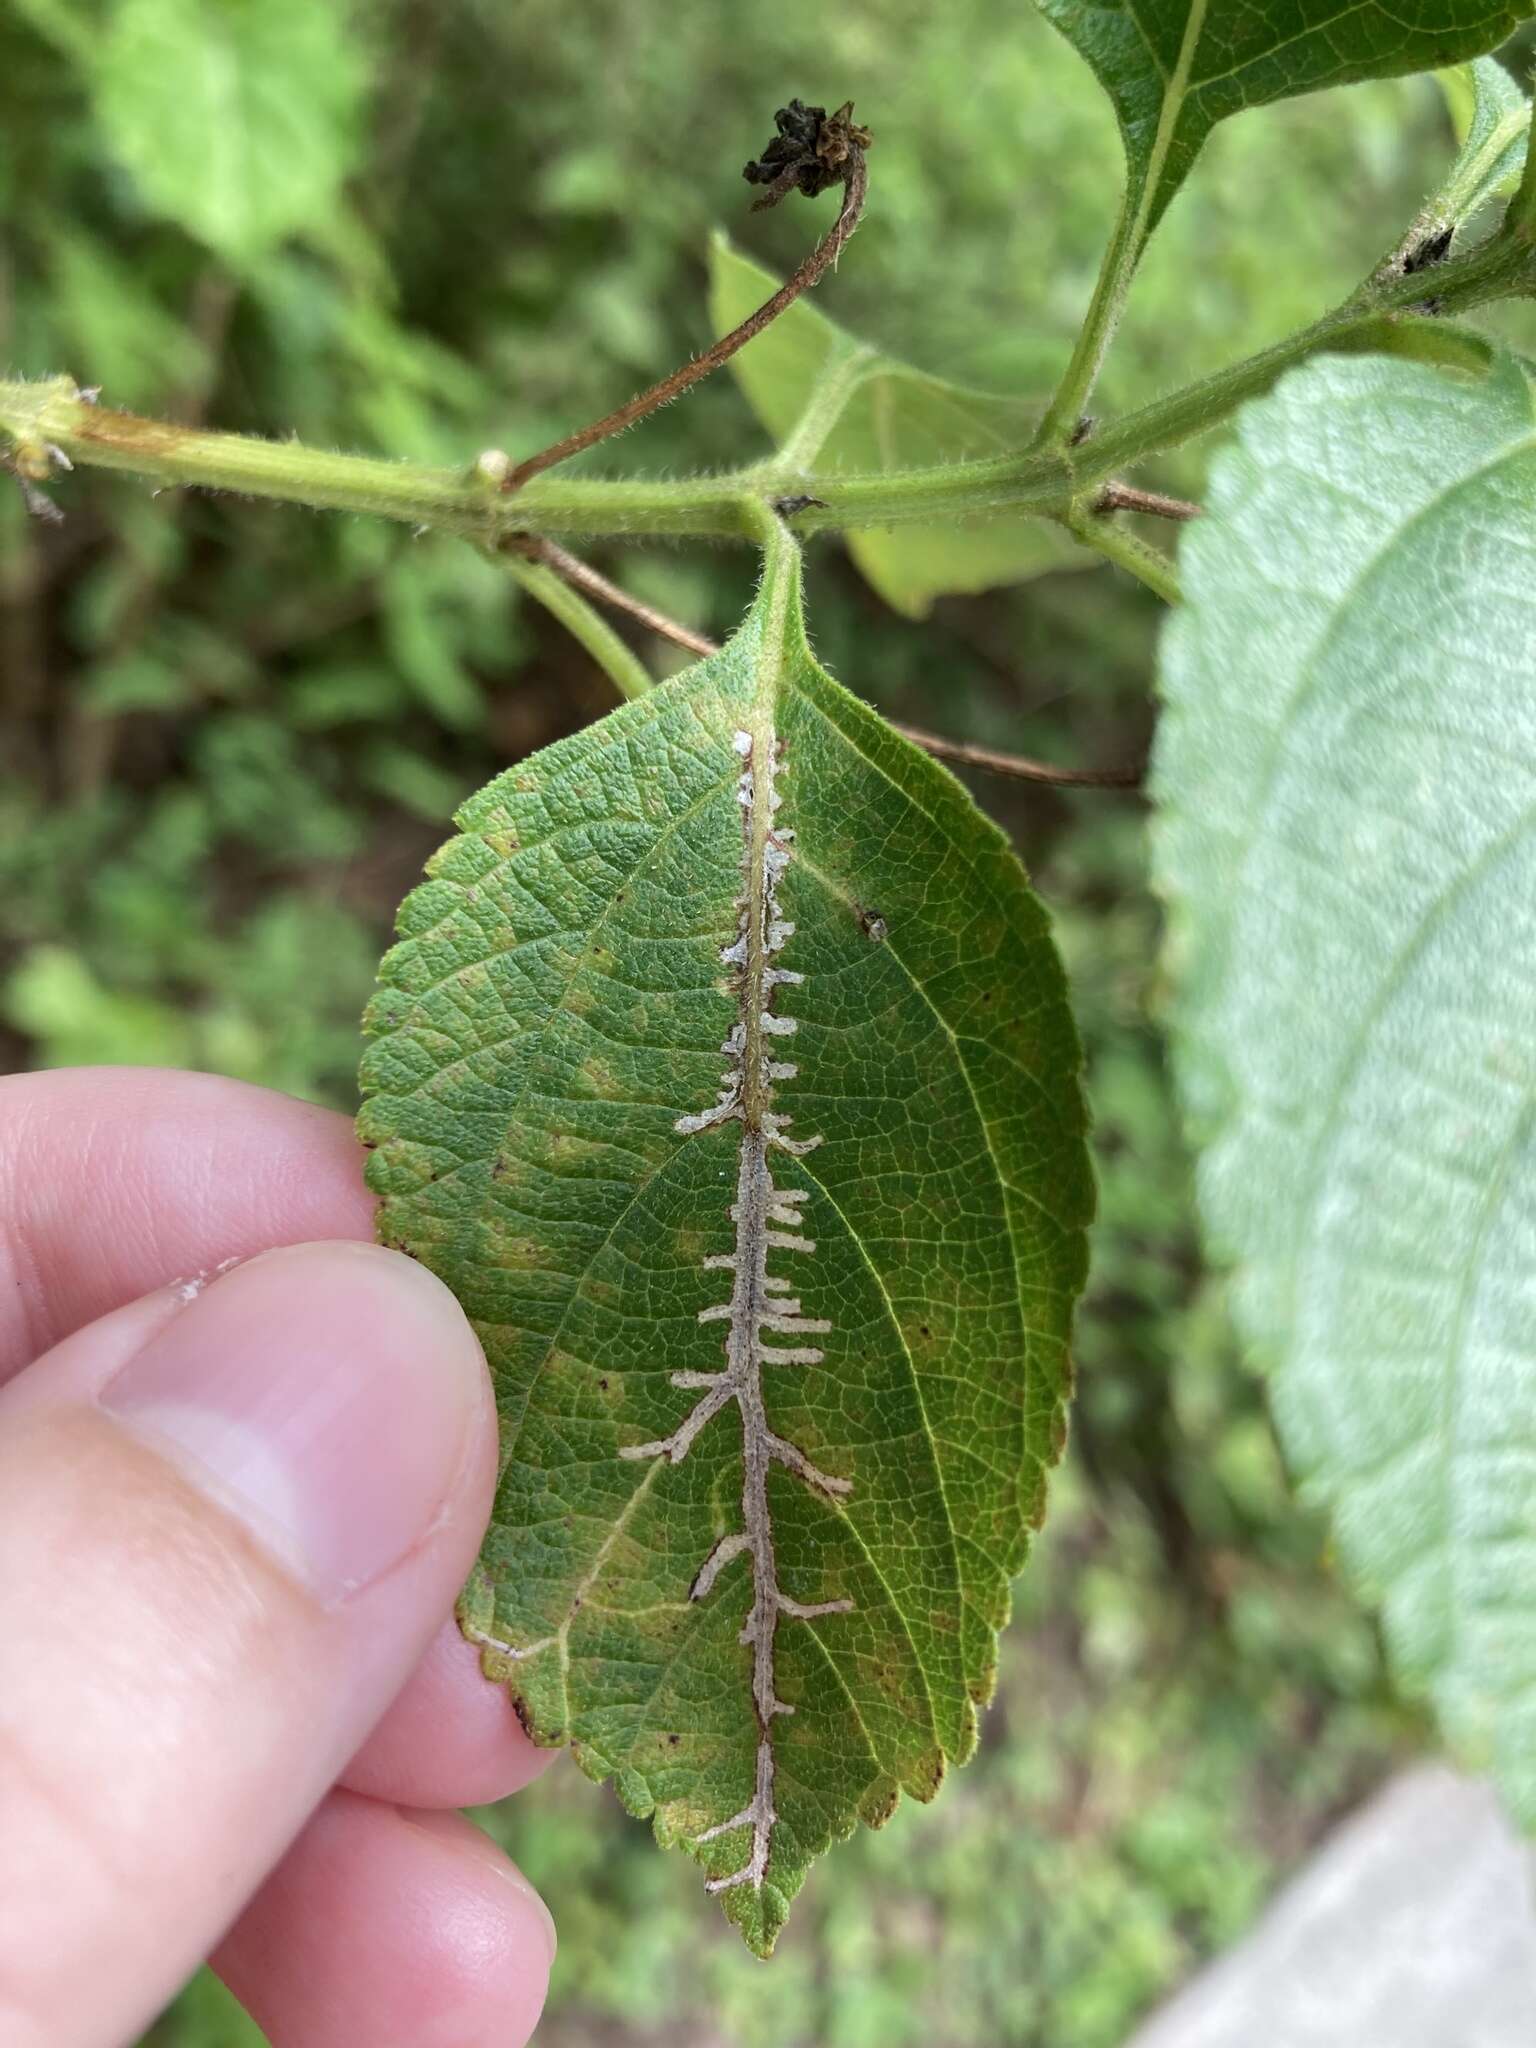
117	1180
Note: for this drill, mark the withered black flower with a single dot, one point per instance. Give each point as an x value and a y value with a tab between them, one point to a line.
810	153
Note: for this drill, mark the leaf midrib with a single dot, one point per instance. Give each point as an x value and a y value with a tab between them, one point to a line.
1175	92
772	658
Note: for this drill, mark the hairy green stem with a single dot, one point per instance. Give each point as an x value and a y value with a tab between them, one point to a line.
47	419
44	420
1133	226
623	668
1065	411
1099	532
1520	220
1498	268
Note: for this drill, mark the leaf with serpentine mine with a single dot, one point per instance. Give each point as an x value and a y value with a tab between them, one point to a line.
725	1071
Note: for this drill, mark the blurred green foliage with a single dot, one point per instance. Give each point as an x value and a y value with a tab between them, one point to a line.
230	733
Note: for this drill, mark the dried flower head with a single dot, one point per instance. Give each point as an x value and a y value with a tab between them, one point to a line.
812	151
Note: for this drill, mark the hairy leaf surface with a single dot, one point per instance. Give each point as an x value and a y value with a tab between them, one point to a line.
1493	120
725	1071
838	405
1346	774
1174	68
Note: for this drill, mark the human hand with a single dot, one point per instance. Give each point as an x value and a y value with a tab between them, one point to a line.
233	1520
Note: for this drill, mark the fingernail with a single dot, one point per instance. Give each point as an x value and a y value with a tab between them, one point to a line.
327	1395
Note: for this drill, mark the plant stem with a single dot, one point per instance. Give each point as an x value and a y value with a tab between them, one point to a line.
820	260
1520	218
592	583
1020	767
1121	497
1144	189
623	668
1128	552
1065	410
835	385
52	415
40	417
1497	268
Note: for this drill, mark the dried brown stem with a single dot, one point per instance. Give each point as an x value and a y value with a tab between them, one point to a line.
1118	497
592	583
1017	766
820	260
1020	767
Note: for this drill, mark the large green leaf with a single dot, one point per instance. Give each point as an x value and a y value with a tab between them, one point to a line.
1174	68
840	405
236	117
1346	778
780	1348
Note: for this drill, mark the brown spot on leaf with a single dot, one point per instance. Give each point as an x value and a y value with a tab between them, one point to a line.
880	1804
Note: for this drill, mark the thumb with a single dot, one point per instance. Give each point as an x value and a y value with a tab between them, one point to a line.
230	1523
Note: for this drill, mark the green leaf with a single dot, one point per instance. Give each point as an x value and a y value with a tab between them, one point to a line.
237	118
1493	118
1347	842
837	405
1174	68
873	1226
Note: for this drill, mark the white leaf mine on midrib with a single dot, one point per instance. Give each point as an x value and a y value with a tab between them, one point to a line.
767	1219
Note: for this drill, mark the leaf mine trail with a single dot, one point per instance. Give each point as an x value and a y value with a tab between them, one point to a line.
761	1305
550	1122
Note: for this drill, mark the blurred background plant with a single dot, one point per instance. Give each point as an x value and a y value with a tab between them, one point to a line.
231	732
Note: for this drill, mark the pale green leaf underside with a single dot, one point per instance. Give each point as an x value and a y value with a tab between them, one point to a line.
1346	777
1493	119
557	1004
843	407
1174	68
236	116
